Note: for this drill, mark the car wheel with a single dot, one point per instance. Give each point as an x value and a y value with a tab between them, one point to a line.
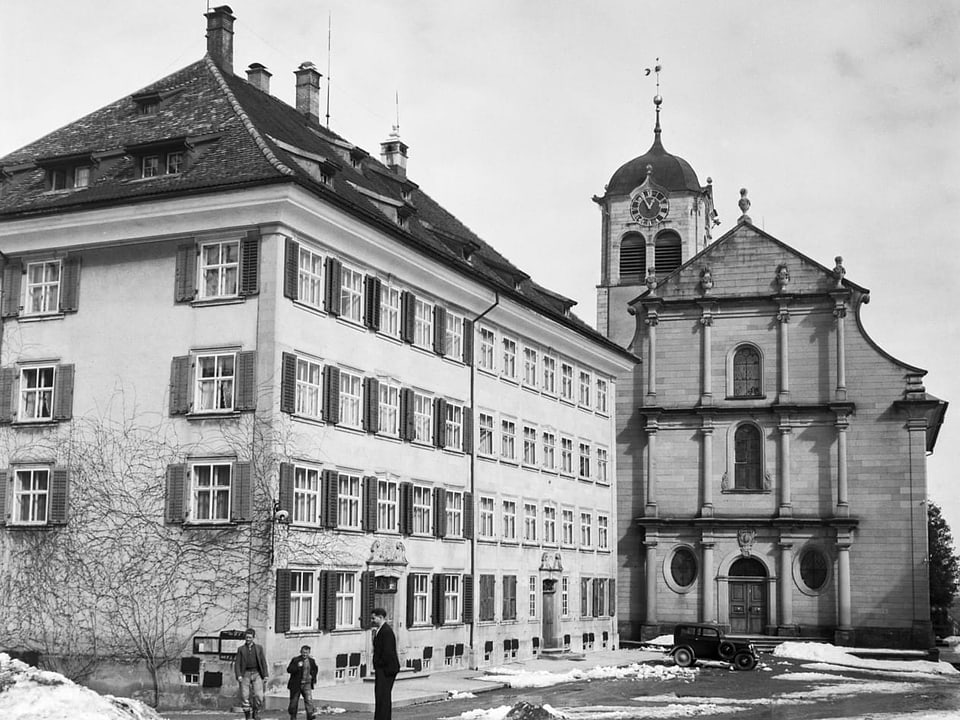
684	657
744	661
727	649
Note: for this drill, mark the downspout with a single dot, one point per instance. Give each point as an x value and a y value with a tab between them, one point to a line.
473	455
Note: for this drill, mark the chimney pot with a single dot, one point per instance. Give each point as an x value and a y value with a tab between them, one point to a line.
259	77
220	37
308	91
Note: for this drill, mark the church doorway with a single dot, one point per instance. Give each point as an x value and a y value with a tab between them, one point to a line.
748	596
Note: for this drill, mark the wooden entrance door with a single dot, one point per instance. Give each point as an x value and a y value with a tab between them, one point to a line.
748	607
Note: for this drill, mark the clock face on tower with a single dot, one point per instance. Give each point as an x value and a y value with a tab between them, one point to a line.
649	207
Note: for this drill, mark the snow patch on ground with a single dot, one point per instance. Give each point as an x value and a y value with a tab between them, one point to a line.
815	677
460	695
832	655
635	671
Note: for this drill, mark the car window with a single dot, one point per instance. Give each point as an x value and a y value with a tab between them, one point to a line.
710	633
687	633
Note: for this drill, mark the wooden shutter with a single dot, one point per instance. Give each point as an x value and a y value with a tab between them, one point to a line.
176	493
467	432
371	307
408	429
59	496
286	489
291	269
328	595
468	515
250	263
410	599
69	284
281	621
241	493
63	393
612	600
185	278
438	608
595	592
406	508
439	330
439	422
467	599
408	316
246	380
4	480
371	404
330	496
288	383
439	512
367	580
12	274
331	288
180	385
467	341
368	514
331	394
7	376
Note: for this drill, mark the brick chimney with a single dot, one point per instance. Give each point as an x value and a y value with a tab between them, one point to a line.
259	77
308	91
393	153
220	37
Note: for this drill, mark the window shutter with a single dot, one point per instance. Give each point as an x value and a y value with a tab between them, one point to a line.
180	385
288	383
330	497
407	425
12	274
366	598
291	269
612	601
371	294
371	404
63	393
439	330
439	512
286	489
406	508
69	284
329	596
468	599
250	263
246	380
369	515
467	341
595	590
7	376
176	493
439	422
281	623
331	296
410	600
467	431
185	278
408	316
331	394
4	479
59	495
241	492
437	614
468	515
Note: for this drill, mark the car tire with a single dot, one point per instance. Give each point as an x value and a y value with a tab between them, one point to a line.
684	657
744	661
727	650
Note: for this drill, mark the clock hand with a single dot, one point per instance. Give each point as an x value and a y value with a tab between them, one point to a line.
648	201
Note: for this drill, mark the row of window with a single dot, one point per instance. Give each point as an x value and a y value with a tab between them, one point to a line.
597	597
529	521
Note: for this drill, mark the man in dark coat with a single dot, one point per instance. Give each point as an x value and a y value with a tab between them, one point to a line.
386	664
250	667
303	678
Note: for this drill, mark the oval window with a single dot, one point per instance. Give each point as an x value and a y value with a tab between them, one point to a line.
813	569
683	567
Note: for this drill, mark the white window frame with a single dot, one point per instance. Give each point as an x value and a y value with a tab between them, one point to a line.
451	599
549	385
37	393
530	521
530	445
174	162
487	346
310	277
31	495
485	434
349	500
346	600
509	520
603	466
309	391
586	530
549	454
565	596
422	418
453	336
533	591
453	427
388	414
583	463
42	292
531	366
211	501
303	586
390	303
602	396
603	531
566	456
423	324
508	357
351	400
508	439
351	294
223	383
586	386
421	598
388	505
307	489
549	524
567	519
566	382
422	501
486	527
223	270
454	513
150	166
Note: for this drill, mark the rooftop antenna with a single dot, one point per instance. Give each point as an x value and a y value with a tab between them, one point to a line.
329	46
397	100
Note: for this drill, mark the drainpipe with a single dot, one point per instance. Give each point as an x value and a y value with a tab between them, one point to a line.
473	456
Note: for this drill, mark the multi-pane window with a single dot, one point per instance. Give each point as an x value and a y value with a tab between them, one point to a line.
306	494
36	393
43	287
566	381
746	372
351	399
746	458
529	445
602	464
351	294
566	455
421	510
31	496
451	598
603	532
508	440
453	423
390	311
388	415
566	526
219	268
565	596
601	396
302	616
532	588
309	376
346	599
509	520
211	492
549	456
488	345
348	501
549	374
529	522
485	425
310	277
586	530
387	505
530	366
586	383
584	597
423	324
81	176
509	597
422	418
454	512
487	508
174	163
150	166
584	465
215	378
509	357
549	524
421	598
453	336
601	597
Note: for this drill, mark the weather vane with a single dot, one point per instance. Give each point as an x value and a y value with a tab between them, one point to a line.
657	100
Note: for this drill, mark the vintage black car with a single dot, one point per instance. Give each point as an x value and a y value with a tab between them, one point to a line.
703	641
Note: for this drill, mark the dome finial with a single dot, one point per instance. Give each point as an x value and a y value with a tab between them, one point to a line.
657	99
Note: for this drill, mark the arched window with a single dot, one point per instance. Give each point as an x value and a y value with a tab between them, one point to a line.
748	567
746	458
746	372
633	258
683	567
667	254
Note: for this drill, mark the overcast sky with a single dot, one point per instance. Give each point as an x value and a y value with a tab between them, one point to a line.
841	118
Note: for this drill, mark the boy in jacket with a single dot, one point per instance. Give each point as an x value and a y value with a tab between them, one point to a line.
303	677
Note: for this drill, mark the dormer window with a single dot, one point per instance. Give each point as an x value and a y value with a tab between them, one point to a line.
161	158
67	173
147	103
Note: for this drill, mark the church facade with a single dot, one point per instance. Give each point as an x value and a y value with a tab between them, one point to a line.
771	456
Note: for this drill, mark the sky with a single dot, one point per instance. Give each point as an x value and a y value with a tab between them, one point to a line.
841	119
